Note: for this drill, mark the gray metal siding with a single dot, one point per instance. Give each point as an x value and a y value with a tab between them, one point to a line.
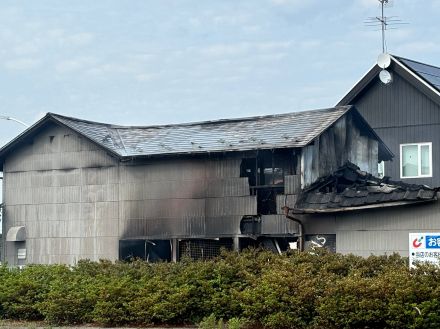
397	104
385	230
412	134
274	224
319	224
400	113
65	192
80	209
184	198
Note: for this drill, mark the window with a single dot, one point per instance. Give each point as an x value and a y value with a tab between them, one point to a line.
416	160
381	169
266	173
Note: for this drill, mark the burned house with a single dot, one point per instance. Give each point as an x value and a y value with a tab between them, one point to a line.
77	189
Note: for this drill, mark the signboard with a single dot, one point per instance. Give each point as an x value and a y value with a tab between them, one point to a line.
424	247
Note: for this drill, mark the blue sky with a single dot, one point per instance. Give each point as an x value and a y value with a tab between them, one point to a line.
150	62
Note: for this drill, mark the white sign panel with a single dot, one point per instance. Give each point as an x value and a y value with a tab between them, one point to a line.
424	247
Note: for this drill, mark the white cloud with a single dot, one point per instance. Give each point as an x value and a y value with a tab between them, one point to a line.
272	57
71	65
236	19
269	46
310	44
297	4
145	77
221	50
27	47
243	48
22	64
368	3
79	39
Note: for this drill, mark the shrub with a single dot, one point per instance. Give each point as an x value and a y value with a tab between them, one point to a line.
22	290
252	289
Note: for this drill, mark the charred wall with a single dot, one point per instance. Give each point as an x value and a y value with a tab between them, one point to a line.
184	198
343	141
76	201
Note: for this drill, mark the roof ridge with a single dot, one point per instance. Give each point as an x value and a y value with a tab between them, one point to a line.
56	115
206	122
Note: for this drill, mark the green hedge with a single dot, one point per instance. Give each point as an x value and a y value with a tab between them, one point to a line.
255	287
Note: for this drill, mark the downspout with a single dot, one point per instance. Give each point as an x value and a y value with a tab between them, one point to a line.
301	227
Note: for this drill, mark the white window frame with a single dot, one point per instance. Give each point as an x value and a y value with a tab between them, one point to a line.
382	164
419	165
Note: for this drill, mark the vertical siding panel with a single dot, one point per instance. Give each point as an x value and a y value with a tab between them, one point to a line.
401	114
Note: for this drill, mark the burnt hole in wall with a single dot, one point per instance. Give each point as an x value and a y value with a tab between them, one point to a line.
250	225
51	138
266	175
148	250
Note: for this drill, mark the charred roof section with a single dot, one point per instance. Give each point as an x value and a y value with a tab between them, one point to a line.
289	130
263	132
349	188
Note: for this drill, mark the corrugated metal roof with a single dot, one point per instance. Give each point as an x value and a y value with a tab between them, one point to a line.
428	72
349	188
262	132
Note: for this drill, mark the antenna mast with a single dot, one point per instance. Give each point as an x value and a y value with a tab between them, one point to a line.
383	21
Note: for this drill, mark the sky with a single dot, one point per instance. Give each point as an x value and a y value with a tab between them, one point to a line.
142	62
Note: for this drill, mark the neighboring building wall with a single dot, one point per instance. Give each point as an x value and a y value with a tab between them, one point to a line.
377	231
400	113
334	147
64	190
384	230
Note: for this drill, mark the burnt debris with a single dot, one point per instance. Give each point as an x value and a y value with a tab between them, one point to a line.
349	188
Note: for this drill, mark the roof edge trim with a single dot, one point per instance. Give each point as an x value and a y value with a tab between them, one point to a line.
345	209
415	75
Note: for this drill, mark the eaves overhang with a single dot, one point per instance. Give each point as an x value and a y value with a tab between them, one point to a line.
280	131
357	208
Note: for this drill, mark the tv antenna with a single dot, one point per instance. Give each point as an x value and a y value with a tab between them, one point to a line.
384	22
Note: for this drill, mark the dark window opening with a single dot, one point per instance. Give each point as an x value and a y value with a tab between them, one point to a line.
267	200
250	225
199	249
266	173
148	250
